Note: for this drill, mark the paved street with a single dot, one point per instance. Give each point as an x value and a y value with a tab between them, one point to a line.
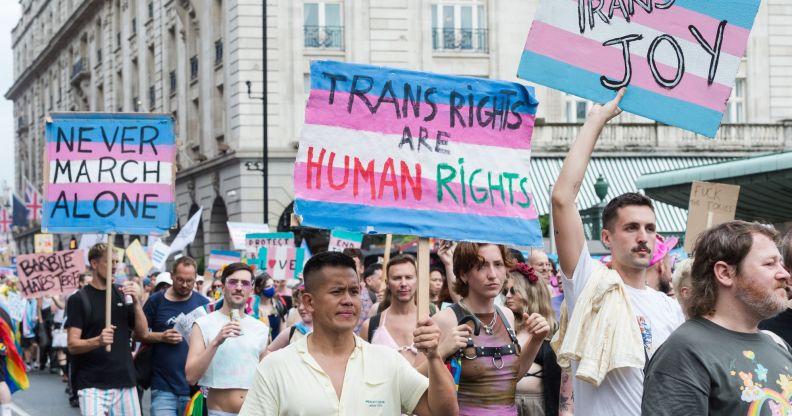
46	397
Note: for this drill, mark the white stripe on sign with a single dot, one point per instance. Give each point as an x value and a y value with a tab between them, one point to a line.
110	171
697	61
368	146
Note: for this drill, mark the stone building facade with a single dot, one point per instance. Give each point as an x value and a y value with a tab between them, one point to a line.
192	58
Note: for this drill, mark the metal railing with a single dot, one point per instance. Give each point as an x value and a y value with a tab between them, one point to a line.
329	37
79	70
460	40
655	137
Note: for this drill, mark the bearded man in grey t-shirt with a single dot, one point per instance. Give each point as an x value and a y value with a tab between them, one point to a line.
718	362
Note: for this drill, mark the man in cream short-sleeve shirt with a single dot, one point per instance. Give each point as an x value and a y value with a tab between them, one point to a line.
333	372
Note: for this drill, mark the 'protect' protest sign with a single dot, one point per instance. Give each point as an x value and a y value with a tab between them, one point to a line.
282	263
109	172
48	274
679	57
405	152
253	242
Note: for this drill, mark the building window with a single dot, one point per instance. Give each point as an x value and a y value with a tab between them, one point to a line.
218	51
135	104
134	25
194	67
576	108
735	110
173	82
459	27
152	98
323	25
151	10
118	39
99	56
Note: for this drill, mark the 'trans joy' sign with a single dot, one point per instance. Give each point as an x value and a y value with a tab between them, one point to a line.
110	172
679	57
416	153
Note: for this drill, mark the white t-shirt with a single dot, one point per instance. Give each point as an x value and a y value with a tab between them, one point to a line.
657	315
234	364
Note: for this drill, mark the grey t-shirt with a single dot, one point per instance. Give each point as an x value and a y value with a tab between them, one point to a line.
705	369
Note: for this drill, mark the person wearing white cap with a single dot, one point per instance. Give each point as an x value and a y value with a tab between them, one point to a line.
163	282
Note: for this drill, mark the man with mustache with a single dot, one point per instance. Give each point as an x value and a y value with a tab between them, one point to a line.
226	345
614	316
718	362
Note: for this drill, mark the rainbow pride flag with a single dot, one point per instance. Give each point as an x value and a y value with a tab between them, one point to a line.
15	376
196	405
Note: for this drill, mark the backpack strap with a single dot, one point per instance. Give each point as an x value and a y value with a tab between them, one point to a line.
291	332
374	323
512	334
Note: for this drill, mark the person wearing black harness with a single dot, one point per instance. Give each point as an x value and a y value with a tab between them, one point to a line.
538	389
492	360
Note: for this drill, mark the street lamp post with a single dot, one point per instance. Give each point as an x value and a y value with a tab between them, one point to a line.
601	190
263	164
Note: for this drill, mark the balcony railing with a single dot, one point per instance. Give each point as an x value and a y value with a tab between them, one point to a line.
194	67
218	51
329	37
659	138
460	40
79	71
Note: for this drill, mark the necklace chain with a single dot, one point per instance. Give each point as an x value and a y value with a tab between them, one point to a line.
488	328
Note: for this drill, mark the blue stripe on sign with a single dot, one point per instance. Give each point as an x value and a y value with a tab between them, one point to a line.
452	226
737	12
108	127
444	84
577	81
347	235
63	220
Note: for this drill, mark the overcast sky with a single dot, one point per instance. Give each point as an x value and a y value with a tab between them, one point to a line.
8	18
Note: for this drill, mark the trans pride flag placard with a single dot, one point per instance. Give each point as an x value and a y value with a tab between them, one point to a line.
679	57
395	151
109	173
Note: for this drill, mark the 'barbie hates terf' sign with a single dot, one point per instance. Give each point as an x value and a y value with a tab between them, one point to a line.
110	172
678	57
396	151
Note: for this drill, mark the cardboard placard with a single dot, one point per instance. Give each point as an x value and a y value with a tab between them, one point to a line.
678	57
710	204
139	259
254	242
389	150
48	274
109	172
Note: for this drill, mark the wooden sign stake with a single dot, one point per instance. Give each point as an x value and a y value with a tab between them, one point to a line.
386	255
423	278
109	284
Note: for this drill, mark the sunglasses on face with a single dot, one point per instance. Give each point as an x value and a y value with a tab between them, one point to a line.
246	284
509	291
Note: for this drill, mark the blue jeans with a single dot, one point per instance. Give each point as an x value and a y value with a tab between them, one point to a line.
165	403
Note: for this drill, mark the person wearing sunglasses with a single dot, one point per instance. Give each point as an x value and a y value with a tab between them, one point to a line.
227	344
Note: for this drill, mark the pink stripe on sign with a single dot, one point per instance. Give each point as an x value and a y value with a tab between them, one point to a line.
388	198
590	55
675	21
165	153
385	121
89	191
